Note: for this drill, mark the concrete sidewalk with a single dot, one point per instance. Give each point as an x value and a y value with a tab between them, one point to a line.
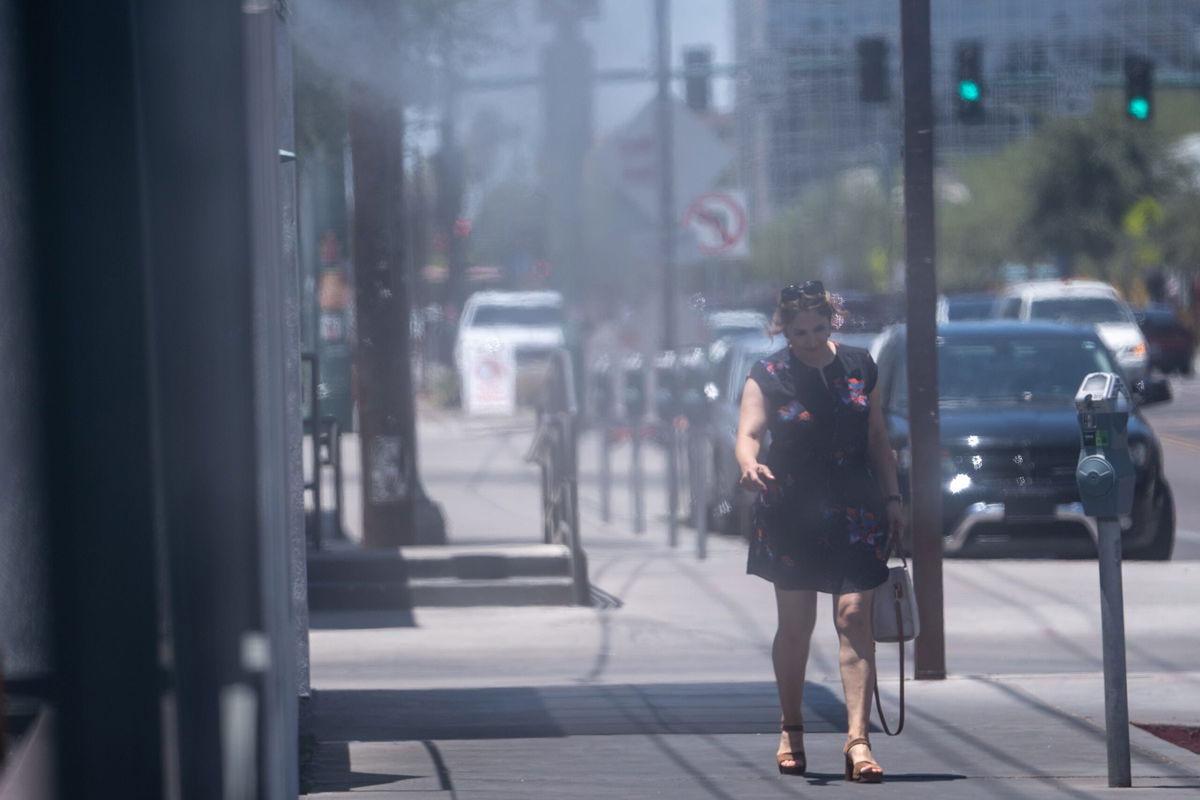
664	687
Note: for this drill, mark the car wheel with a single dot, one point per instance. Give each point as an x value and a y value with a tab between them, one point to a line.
1163	543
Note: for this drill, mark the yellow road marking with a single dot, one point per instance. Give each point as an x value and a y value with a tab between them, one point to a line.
1190	444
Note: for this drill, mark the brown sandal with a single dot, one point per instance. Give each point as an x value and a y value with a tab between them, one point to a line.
855	769
800	761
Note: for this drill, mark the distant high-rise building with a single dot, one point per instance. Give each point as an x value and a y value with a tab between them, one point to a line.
799	113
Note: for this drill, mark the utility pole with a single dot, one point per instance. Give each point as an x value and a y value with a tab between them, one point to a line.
567	77
448	164
667	224
921	279
395	509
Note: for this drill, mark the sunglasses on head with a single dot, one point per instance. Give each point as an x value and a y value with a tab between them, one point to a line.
808	288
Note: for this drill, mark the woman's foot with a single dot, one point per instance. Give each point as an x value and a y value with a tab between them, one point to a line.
790	755
860	763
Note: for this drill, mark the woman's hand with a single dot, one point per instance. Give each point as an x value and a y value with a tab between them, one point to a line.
752	477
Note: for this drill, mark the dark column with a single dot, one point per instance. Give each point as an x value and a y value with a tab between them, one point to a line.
395	510
24	623
91	343
294	682
921	279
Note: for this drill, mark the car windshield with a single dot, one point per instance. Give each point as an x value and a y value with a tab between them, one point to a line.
959	308
1079	309
523	316
1016	371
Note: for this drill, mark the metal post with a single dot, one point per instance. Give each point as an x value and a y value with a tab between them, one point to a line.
605	473
1112	625
635	477
666	221
698	467
921	280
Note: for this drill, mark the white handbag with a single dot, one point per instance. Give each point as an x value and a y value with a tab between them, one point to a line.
894	619
894	613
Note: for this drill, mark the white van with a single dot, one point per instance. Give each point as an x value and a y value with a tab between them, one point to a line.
1081	302
530	324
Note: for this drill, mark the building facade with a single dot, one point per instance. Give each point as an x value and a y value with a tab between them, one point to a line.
797	98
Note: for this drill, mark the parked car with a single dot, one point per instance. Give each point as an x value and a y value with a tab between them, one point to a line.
1010	440
531	323
1081	302
970	305
735	322
1172	344
730	506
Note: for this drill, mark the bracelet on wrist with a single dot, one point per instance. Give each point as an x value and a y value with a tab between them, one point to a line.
892	497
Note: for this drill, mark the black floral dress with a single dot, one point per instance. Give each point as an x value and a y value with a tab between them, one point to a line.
821	523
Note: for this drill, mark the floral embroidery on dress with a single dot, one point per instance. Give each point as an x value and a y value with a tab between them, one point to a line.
862	526
794	411
851	391
773	367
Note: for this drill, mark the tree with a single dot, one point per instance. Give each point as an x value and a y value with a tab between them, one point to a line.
841	225
979	224
1084	175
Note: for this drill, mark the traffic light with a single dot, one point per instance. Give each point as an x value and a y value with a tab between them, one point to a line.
873	84
968	82
1139	88
697	68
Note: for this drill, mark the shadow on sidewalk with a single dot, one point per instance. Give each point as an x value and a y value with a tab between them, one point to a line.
361	620
533	712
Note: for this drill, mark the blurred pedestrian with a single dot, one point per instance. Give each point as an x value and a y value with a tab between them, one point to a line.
828	511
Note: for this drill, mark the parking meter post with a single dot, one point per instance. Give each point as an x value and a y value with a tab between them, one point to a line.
603	395
1112	625
605	474
1105	477
634	402
672	453
698	463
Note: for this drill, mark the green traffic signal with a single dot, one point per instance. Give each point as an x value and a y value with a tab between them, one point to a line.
968	91
1139	108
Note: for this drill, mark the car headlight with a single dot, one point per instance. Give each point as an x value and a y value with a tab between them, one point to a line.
1139	452
1136	350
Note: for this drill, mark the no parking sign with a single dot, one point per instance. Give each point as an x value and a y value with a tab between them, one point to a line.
718	221
489	378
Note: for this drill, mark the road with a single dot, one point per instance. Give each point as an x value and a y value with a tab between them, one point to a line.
1178	427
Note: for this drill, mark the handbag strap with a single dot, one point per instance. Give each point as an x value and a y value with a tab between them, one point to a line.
878	703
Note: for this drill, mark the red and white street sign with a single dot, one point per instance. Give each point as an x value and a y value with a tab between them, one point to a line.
718	220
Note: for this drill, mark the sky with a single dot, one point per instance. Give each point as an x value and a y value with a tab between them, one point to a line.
621	37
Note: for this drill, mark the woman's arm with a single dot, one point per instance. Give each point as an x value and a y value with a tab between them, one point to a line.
752	424
883	463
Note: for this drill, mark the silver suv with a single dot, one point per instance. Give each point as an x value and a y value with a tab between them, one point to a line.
1081	302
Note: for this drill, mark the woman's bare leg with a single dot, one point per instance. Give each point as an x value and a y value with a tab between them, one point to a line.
789	654
856	657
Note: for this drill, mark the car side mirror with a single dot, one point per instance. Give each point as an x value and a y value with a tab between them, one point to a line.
1151	391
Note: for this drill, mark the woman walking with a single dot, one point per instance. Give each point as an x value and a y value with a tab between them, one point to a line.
828	503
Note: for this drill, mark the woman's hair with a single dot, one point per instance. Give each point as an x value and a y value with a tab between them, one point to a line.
808	296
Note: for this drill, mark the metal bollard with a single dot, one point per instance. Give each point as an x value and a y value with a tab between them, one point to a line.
666	408
634	403
603	398
1105	476
696	407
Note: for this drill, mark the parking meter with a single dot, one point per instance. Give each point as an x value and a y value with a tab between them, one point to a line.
666	376
603	396
1105	472
695	374
1105	477
633	395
